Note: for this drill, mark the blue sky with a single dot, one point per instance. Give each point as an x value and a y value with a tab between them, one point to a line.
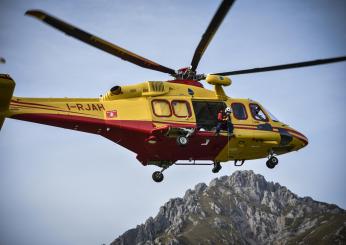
64	187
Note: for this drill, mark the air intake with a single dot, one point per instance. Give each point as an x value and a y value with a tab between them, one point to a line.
157	87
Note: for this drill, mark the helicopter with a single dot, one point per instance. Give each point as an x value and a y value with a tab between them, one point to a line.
165	122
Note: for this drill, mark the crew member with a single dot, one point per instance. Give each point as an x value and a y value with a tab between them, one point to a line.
230	127
220	122
258	115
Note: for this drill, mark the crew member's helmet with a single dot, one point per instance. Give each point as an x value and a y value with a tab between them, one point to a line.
257	109
228	110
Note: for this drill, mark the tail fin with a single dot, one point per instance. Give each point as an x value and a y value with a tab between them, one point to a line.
6	91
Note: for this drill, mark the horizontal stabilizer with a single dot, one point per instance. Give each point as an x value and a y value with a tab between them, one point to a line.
6	91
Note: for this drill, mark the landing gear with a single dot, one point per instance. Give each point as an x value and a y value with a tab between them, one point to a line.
217	167
182	140
272	162
157	176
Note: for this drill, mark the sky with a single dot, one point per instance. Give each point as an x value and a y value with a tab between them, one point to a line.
64	187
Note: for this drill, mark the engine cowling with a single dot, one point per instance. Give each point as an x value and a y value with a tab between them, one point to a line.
151	88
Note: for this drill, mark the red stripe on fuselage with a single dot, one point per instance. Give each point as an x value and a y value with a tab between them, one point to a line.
48	109
35	104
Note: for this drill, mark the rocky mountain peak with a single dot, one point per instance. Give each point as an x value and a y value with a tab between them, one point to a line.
241	209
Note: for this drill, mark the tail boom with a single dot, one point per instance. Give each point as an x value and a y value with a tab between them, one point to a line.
66	113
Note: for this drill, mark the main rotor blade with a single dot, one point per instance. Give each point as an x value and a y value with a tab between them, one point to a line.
210	32
98	42
284	67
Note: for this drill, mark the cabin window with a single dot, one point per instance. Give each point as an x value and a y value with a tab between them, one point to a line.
239	111
258	113
161	108
181	108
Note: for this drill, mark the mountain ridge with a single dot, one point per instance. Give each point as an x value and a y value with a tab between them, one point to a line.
241	209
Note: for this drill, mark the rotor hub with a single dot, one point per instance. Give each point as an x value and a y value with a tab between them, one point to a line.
186	73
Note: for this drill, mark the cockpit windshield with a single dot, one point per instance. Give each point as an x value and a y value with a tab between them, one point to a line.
274	118
261	114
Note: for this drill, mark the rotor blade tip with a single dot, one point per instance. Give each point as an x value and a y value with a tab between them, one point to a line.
36	13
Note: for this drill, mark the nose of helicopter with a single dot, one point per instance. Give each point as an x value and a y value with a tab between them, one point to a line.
299	140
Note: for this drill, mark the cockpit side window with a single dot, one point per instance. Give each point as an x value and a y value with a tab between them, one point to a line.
239	111
258	113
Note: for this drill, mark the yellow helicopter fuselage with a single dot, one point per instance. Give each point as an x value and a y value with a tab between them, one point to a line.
147	118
